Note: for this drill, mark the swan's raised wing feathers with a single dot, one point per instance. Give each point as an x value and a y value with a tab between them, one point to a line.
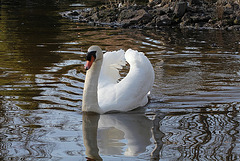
139	80
112	62
131	92
135	58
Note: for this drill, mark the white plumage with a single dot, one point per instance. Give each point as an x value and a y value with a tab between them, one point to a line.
114	95
112	62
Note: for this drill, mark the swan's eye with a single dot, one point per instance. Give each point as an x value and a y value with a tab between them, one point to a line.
90	54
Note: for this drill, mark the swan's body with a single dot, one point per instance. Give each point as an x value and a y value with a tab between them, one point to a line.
102	91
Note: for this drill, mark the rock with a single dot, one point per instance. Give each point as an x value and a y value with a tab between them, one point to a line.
195	2
228	9
167	8
237	20
151	3
236	27
236	6
74	13
126	14
184	24
163	21
143	16
228	5
94	17
133	18
185	20
108	15
192	9
183	13
180	9
160	11
200	18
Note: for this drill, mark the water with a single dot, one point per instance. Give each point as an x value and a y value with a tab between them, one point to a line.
193	113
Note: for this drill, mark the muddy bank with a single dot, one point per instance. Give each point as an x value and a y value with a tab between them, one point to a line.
192	14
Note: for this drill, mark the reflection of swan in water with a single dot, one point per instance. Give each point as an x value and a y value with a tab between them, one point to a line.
90	125
135	128
106	131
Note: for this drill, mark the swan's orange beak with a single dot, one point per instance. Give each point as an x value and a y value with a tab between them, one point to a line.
89	63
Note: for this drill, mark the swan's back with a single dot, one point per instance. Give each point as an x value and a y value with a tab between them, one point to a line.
131	92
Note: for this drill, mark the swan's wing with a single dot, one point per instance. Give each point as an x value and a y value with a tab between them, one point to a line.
139	81
112	62
131	92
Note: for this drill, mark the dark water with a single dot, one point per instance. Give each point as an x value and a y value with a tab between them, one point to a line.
193	113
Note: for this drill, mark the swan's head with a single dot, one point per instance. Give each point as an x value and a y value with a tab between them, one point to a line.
94	54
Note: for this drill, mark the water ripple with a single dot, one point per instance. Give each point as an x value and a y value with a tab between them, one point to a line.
196	92
199	136
62	85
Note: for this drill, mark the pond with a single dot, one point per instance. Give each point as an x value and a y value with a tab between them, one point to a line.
194	109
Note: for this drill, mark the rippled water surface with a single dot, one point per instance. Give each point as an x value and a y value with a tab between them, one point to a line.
194	109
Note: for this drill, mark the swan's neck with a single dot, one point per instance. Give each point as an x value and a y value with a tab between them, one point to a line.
90	95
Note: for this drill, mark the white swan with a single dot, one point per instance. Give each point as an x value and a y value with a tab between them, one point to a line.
103	92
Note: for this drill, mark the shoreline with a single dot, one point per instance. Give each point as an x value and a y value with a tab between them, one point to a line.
156	16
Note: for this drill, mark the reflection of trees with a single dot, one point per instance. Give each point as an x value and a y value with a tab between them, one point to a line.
25	33
199	67
3	140
24	29
158	136
203	136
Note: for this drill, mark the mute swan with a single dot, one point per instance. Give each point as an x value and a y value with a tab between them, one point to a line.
103	92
